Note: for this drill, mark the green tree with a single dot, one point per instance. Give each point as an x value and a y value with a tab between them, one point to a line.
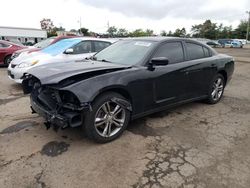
206	30
122	32
141	33
112	31
180	32
170	34
149	32
241	31
163	33
84	31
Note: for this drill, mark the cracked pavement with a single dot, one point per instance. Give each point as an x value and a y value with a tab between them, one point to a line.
192	146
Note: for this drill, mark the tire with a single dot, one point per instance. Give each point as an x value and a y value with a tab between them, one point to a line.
216	89
105	129
7	60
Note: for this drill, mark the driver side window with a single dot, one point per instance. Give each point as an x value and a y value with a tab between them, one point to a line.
171	50
82	47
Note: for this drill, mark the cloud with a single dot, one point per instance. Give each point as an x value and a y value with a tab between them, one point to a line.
159	9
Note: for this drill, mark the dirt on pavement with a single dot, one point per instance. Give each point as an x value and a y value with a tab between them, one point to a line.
194	145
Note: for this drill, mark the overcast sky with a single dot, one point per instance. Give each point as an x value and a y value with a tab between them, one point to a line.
130	14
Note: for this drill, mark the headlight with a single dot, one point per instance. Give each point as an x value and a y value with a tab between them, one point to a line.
27	64
14	55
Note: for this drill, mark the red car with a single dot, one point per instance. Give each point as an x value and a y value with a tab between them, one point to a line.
38	46
6	51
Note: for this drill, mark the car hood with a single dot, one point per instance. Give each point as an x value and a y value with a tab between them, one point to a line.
29	49
57	72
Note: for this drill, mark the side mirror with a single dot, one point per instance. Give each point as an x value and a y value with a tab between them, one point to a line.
158	61
69	51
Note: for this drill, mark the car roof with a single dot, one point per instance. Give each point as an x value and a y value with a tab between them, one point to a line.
91	38
10	43
163	39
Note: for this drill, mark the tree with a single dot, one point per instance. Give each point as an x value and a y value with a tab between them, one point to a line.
180	32
47	24
170	34
141	33
59	28
73	30
84	31
241	31
206	30
149	32
112	31
163	33
122	32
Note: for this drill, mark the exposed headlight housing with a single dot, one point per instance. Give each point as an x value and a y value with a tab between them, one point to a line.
15	55
27	64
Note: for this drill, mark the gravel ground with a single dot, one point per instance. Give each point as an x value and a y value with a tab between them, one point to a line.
195	145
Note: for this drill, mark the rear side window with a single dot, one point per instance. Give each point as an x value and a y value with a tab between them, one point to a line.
82	47
172	50
99	45
194	51
206	52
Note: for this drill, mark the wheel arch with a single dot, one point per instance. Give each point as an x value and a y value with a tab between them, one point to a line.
224	74
117	89
6	56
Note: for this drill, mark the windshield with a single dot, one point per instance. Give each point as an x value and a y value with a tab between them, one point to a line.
128	52
60	46
44	43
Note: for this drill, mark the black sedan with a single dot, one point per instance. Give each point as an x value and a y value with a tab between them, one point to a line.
130	79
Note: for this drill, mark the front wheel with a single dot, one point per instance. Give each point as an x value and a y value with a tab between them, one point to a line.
107	120
7	60
216	89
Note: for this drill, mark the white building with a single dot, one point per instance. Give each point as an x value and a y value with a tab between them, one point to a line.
22	34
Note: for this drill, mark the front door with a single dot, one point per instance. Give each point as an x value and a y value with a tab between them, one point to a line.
171	81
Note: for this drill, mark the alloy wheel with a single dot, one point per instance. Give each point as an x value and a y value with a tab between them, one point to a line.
217	90
109	119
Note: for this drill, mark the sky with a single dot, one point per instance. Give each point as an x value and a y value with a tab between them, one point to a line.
95	15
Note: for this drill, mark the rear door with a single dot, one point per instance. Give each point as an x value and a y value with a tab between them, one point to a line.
200	70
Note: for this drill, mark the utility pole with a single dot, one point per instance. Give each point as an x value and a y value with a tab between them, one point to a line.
80	24
248	12
108	25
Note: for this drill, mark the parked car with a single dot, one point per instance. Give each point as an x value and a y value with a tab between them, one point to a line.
234	44
224	41
230	43
129	79
213	44
6	51
67	50
38	46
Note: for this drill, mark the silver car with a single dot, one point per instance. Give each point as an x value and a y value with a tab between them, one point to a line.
67	50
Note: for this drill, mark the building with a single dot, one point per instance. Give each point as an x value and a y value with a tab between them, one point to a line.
22	35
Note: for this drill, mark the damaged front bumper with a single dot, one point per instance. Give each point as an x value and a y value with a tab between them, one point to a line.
67	116
52	119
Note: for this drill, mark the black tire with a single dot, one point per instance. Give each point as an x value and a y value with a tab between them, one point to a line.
7	60
211	99
90	117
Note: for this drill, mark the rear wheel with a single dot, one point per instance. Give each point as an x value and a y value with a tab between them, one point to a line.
216	89
107	120
7	60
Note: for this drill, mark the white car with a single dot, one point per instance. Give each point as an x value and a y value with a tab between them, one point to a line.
66	50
